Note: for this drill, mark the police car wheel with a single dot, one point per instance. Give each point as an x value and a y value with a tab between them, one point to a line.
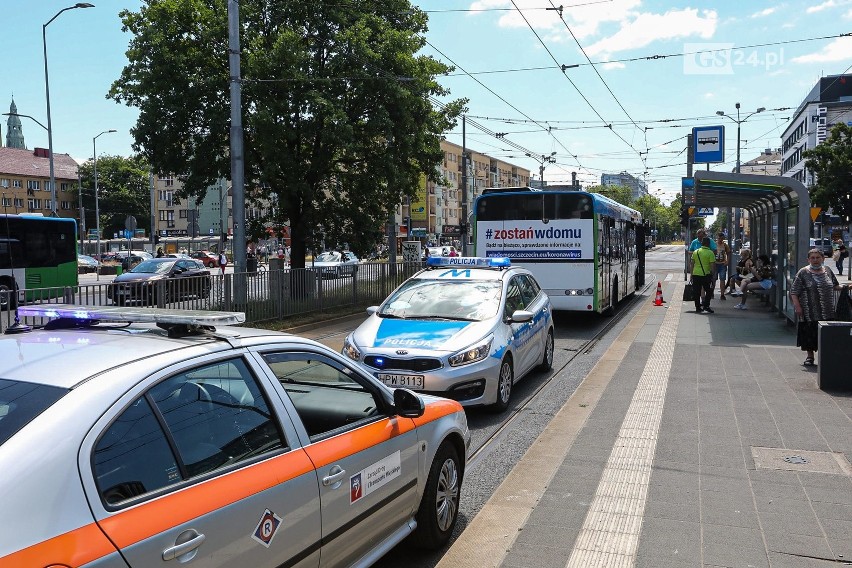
8	295
547	359
439	508
504	385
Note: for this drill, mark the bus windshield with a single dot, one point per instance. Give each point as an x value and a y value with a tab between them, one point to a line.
534	206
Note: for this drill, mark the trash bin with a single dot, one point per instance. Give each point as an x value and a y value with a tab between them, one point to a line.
835	344
118	270
251	264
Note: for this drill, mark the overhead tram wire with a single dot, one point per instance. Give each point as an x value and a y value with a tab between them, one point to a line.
490	90
564	74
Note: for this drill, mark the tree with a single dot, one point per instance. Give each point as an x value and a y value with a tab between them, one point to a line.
123	189
619	193
831	163
338	123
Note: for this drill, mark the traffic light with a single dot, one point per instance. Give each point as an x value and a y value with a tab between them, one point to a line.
684	216
156	239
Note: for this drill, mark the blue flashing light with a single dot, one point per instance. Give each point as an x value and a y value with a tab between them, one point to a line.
380	362
469	261
130	314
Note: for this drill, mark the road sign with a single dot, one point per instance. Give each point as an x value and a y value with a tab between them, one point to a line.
815	211
705	211
411	251
130	223
708	144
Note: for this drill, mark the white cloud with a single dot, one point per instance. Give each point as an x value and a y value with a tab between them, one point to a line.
837	50
647	28
848	15
709	95
763	13
613	65
820	7
583	20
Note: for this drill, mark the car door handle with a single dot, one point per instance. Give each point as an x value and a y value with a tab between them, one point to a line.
335	475
181	549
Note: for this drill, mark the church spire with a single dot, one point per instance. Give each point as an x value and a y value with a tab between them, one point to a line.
14	133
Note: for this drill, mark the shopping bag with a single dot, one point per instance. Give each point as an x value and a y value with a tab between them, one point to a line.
687	292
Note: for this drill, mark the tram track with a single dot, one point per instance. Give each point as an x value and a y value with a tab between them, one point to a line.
478	453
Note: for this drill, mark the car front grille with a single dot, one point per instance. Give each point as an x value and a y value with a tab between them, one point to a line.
419	365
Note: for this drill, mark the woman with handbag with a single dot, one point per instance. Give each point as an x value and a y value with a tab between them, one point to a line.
762	277
723	252
744	267
812	296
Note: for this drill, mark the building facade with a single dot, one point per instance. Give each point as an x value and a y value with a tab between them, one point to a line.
25	182
638	188
828	103
174	217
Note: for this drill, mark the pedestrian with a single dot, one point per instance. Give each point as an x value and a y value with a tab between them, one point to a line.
701	268
842	254
160	253
699	238
280	253
264	253
762	277
223	261
812	296
723	255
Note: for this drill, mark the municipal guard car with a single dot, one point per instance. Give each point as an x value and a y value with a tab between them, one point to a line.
179	441
465	328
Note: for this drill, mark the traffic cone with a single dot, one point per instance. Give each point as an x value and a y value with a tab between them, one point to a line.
658	299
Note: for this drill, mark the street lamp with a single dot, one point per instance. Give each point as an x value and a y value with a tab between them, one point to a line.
47	96
543	160
739	124
97	208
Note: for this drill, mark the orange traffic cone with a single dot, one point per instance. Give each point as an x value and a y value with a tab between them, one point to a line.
658	300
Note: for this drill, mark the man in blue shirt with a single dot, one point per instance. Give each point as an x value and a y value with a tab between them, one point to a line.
699	236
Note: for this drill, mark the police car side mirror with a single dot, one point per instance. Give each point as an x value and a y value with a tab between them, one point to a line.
521	316
407	404
372	309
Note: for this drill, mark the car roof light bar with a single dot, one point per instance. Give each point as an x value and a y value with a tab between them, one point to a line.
132	315
475	261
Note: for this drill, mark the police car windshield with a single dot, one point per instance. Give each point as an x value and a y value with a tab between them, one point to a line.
21	402
472	300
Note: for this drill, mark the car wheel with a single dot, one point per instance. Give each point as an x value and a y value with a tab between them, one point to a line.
547	360
8	295
211	264
504	385
439	508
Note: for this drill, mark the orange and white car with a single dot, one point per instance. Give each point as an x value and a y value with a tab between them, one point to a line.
177	440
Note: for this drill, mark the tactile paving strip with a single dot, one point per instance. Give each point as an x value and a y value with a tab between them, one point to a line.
610	533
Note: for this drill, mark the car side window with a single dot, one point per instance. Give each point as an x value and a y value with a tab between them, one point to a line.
326	395
528	290
215	416
514	297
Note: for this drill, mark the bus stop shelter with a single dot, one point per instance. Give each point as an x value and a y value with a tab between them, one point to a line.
778	220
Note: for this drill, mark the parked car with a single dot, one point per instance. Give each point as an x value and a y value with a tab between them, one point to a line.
207	258
180	278
334	264
86	261
178	255
465	328
822	243
169	435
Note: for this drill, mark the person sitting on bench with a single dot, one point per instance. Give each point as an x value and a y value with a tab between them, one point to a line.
762	278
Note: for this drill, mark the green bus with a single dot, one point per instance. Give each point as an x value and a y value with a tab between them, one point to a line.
38	257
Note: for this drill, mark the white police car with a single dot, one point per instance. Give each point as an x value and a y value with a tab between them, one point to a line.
465	328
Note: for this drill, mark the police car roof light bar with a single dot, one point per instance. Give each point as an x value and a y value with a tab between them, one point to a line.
132	315
469	261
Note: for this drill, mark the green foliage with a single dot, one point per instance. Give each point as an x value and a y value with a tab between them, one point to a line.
338	123
831	162
619	193
123	189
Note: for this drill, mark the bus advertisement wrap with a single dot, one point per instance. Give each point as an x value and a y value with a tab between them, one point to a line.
569	239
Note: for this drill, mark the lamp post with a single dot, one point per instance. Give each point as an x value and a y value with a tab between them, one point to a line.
542	160
739	122
97	208
47	96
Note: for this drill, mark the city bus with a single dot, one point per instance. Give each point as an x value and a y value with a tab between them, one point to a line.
38	257
586	250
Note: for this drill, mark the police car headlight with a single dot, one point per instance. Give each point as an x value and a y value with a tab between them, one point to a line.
472	354
350	350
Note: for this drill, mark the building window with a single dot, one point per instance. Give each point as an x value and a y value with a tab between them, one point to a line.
66	205
168	181
47	204
33	204
4	183
33	184
19	203
16	183
7	202
64	186
183	213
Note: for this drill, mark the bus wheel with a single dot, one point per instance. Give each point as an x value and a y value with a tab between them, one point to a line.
8	295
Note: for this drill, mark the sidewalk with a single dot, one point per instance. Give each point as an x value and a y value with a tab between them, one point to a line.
697	440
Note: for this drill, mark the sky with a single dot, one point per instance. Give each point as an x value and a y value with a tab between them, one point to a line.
661	68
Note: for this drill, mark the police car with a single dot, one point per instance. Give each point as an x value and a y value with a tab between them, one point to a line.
183	440
466	328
